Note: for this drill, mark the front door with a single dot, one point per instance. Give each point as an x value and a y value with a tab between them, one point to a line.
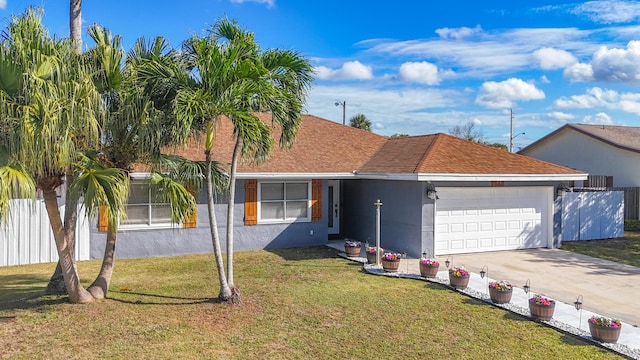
333	207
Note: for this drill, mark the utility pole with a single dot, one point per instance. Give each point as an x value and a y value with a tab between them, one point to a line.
511	132
344	110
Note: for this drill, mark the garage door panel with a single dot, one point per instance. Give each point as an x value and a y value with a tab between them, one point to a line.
489	219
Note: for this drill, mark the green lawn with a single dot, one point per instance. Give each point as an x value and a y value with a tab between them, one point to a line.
624	250
297	304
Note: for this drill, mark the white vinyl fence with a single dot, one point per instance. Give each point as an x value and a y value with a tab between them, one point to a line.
26	236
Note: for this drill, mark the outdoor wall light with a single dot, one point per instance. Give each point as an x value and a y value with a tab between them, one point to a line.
449	261
425	254
527	286
431	192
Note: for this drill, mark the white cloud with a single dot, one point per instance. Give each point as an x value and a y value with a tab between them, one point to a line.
598	119
3	4
502	94
595	97
351	70
458	33
609	12
269	3
420	72
578	72
617	64
544	79
561	116
550	58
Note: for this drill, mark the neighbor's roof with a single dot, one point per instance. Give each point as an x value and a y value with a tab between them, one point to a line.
321	147
438	155
624	137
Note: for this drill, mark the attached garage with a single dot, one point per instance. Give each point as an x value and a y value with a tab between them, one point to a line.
474	219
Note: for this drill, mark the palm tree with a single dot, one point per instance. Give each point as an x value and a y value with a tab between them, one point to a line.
52	111
360	121
227	74
75	24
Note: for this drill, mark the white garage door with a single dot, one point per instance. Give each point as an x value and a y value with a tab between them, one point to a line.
489	219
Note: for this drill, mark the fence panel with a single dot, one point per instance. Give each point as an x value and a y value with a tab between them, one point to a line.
590	215
26	237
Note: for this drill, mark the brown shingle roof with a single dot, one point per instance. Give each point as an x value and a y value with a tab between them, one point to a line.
445	154
321	146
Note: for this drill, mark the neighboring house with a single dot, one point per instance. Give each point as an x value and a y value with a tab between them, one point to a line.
612	152
609	154
439	193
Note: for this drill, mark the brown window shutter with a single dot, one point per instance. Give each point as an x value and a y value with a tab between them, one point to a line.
192	221
250	202
316	200
103	221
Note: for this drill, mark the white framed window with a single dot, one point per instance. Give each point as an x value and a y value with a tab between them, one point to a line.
285	201
145	208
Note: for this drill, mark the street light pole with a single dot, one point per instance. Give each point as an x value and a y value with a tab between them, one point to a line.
344	110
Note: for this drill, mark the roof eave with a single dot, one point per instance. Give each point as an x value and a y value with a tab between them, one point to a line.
475	177
295	175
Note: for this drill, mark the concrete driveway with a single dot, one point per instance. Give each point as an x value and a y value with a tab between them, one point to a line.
608	288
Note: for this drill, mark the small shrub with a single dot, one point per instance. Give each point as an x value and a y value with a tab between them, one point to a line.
632	225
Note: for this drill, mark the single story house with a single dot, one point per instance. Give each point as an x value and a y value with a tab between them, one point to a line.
440	194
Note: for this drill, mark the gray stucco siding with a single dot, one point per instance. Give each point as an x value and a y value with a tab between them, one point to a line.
169	242
400	215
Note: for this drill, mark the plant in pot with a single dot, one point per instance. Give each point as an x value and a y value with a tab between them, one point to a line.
459	277
500	291
604	329
352	248
541	308
391	262
371	254
429	267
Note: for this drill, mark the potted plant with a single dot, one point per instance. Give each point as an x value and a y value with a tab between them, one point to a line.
429	267
391	262
604	329
541	308
352	248
459	277
371	254
500	291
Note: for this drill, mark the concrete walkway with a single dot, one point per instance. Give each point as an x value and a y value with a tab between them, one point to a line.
608	289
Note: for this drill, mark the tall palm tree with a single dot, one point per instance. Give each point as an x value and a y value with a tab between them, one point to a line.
226	74
52	111
75	24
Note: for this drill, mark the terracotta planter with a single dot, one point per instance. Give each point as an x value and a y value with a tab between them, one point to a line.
428	271
541	312
390	265
604	334
500	297
459	283
371	257
352	251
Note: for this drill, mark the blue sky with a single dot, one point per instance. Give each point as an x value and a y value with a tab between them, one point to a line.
422	67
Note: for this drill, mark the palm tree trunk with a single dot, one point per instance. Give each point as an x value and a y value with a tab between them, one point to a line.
56	282
75	25
230	209
100	285
225	290
77	294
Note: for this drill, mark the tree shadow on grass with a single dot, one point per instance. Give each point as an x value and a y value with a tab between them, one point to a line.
169	300
306	253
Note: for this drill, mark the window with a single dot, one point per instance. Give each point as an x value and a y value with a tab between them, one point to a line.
284	201
145	207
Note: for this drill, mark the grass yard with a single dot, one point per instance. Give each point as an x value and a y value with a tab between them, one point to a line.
624	250
297	304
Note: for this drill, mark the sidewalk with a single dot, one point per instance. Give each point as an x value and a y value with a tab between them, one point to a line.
566	318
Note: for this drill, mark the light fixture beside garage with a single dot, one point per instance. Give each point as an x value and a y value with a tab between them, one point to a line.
431	192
